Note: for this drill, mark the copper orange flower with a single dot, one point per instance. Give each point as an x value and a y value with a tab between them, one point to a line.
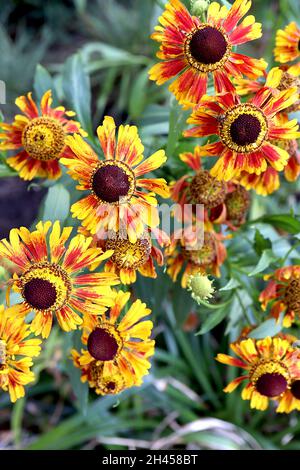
283	294
287	43
224	203
271	366
16	353
129	258
47	276
278	79
191	50
245	132
116	193
206	257
39	137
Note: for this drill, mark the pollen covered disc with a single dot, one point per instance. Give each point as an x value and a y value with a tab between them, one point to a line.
207	190
44	138
127	254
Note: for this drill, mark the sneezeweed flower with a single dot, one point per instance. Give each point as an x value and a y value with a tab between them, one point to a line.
198	187
39	137
47	276
116	191
245	131
271	366
181	256
278	79
16	353
283	293
129	258
224	203
118	347
287	43
234	210
201	287
191	50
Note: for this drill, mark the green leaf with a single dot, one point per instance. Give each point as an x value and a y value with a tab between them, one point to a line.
266	259
231	284
43	82
138	95
57	204
261	243
6	171
270	327
77	90
176	125
286	222
212	320
81	390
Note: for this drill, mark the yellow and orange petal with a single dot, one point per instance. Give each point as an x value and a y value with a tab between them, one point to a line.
16	353
278	79
287	43
264	184
38	137
47	274
283	294
191	50
118	199
117	345
246	132
271	365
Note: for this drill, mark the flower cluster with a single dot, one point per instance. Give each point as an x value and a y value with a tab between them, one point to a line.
244	128
240	137
57	275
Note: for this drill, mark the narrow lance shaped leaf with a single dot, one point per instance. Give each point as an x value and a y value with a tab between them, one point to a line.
57	204
77	90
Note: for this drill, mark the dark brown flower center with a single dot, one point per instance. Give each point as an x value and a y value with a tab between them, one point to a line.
295	389
102	345
271	384
110	183
245	129
299	45
111	385
40	294
208	45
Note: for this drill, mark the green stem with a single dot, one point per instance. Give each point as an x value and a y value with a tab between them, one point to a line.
214	307
290	251
249	320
